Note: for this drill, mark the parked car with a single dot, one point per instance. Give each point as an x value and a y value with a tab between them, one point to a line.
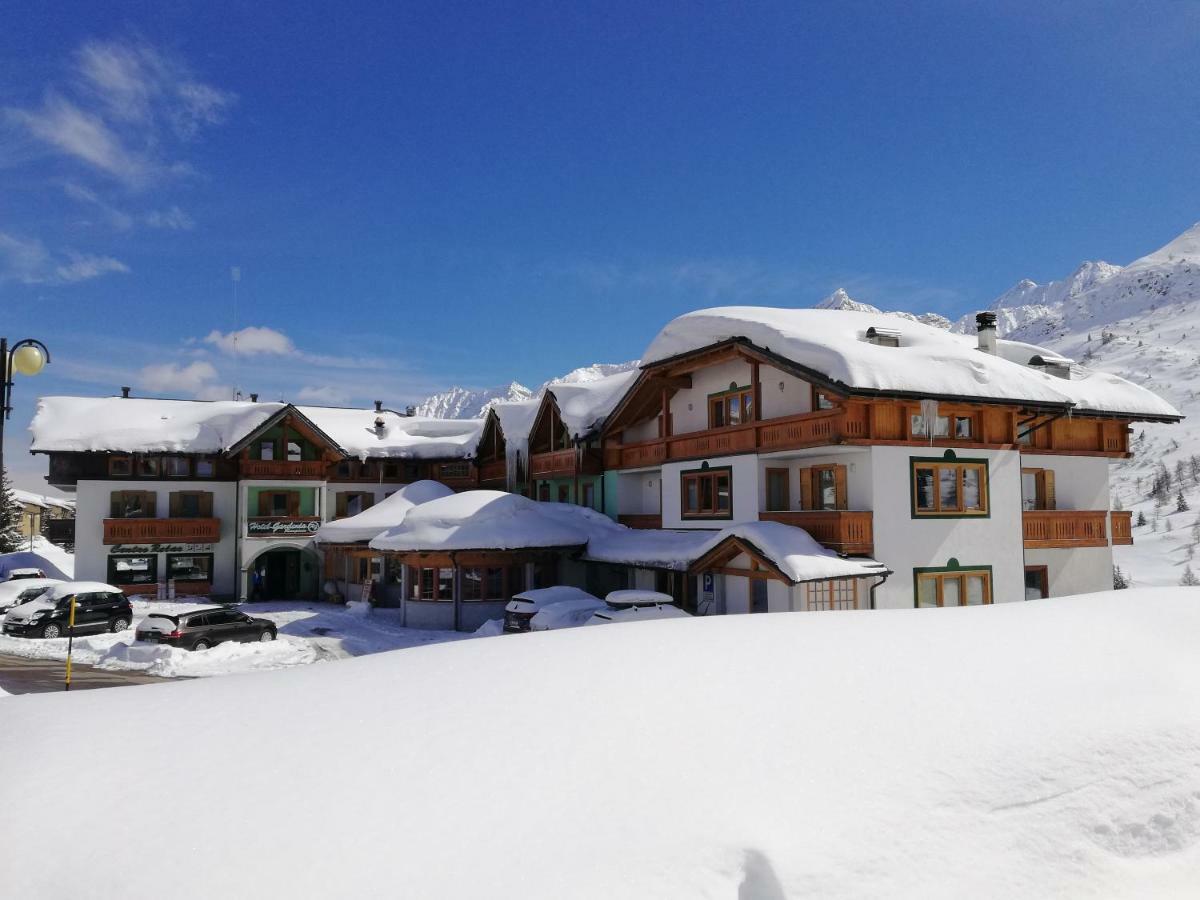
521	609
636	606
204	628
99	607
18	574
14	593
565	614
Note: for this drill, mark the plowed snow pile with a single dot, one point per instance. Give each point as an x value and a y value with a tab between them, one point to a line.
1041	749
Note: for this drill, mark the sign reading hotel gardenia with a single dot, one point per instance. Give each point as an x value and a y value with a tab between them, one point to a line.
277	527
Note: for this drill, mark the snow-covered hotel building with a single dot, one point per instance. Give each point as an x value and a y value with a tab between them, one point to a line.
942	469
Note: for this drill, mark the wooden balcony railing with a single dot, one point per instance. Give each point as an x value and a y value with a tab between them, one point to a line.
153	531
1048	529
556	462
282	468
282	526
1122	526
808	430
640	520
844	530
492	472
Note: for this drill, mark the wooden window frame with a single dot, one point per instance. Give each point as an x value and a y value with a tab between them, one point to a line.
113	461
205	499
457	469
700	475
1043	577
203	460
722	398
150	462
821	400
294	501
960	465
829	595
170	460
149	501
786	475
952	417
810	484
941	574
1045	493
341	502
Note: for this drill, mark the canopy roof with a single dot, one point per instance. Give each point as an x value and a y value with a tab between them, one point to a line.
387	513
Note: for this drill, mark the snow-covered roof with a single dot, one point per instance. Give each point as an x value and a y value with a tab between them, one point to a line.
929	361
481	520
795	553
387	513
516	417
140	425
647	548
583	406
401	437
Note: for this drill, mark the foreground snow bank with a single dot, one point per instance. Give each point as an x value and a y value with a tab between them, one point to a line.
1020	750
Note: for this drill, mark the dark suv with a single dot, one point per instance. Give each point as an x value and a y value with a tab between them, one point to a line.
98	608
204	628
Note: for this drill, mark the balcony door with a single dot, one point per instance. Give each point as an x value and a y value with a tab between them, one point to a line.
279	504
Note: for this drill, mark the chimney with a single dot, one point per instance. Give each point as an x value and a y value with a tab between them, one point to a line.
125	392
985	324
378	406
410	411
254	398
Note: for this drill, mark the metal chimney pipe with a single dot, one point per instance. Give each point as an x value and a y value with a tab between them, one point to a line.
254	398
985	326
125	392
378	406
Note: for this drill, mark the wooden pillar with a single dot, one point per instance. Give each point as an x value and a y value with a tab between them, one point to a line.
757	385
666	414
456	593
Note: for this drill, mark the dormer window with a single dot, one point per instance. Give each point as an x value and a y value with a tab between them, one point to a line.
883	337
1058	366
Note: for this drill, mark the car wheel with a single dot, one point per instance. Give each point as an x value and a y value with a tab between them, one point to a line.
267	636
201	644
51	630
118	624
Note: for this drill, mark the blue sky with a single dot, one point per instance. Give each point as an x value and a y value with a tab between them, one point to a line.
443	194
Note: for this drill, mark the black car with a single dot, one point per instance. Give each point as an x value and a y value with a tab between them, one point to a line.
204	628
98	608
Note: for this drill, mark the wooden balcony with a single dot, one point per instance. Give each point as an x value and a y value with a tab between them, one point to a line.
641	520
1122	526
158	531
282	526
844	530
492	473
808	430
555	464
282	468
1051	529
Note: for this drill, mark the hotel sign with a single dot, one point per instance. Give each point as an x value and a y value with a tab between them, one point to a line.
271	527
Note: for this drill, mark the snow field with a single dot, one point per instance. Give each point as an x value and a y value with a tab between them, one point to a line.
1018	750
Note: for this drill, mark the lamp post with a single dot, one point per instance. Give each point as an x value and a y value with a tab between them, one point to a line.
28	356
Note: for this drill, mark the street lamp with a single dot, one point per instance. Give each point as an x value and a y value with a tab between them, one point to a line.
28	356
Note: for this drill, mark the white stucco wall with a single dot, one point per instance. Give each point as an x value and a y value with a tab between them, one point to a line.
859	479
1080	482
744	483
94	504
638	492
903	542
793	399
1081	570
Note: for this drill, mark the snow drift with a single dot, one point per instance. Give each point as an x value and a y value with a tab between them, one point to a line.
1019	750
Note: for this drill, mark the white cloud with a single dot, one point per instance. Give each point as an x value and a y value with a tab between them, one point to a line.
173	219
29	261
193	378
253	340
329	396
126	103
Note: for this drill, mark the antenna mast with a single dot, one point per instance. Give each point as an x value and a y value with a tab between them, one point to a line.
235	274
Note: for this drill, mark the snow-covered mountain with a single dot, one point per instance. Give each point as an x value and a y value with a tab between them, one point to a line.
839	299
1142	322
463	403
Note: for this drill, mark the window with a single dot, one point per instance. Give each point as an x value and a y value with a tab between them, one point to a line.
279	503
351	503
1037	489
778	497
941	426
823	487
564	493
204	467
953	587
391	471
707	494
821	400
731	407
963	427
191	504
294	453
189	566
838	594
1037	582
472	584
132	569
147	466
445	584
266	450
132	504
949	488
455	470
120	466
176	466
197	621
960	427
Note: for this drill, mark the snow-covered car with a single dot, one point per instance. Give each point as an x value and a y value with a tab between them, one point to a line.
636	606
18	574
99	607
204	628
523	607
14	593
566	614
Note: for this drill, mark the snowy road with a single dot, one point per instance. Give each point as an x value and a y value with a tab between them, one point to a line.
43	676
308	633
